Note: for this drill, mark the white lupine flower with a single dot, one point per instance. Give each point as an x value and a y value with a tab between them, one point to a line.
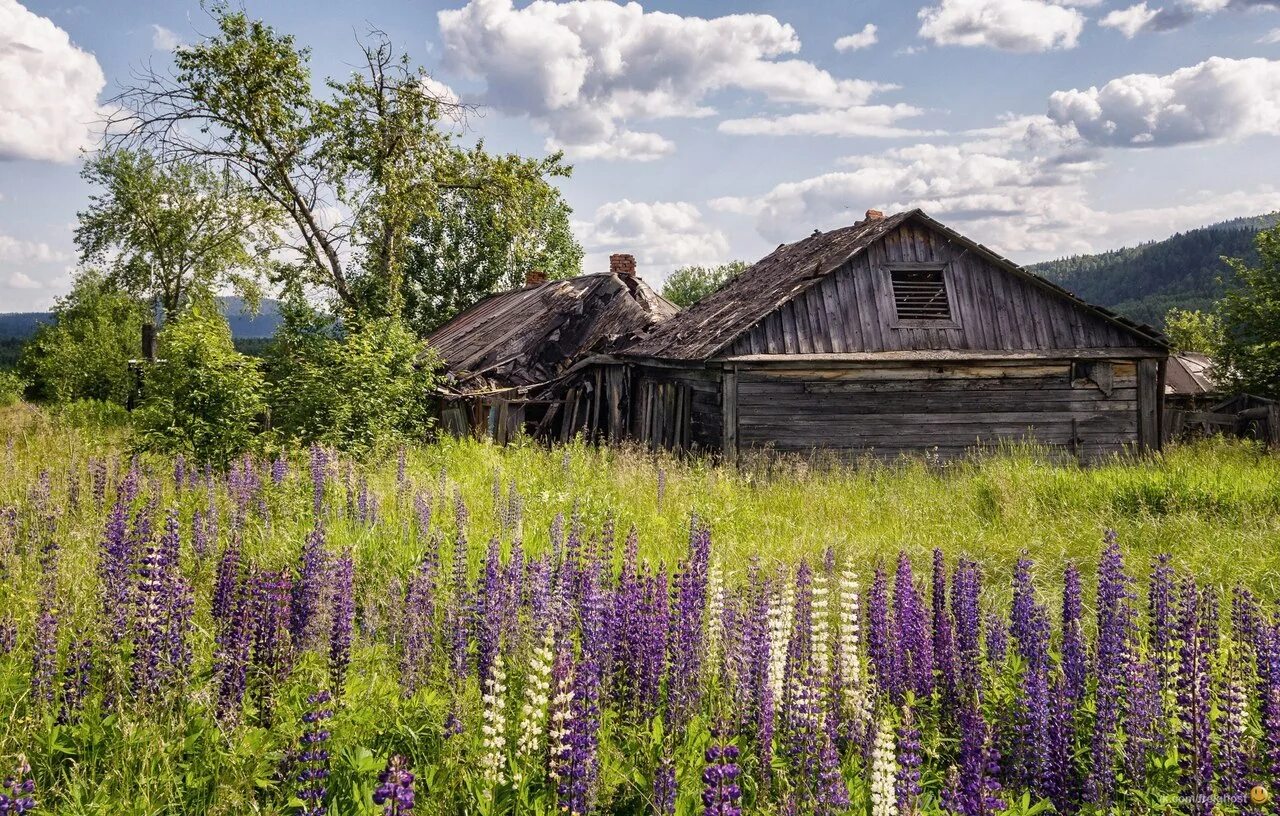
494	729
781	615
715	611
820	628
884	772
533	713
558	729
854	696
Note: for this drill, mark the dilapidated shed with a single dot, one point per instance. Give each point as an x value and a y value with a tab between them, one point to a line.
518	360
896	334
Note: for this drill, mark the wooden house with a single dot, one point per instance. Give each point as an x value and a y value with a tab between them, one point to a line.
896	334
518	361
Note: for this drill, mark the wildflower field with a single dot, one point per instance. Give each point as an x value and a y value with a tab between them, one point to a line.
458	628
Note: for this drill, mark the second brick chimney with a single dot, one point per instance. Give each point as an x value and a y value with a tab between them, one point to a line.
875	215
622	264
534	277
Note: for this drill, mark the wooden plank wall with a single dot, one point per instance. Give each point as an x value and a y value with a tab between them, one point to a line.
676	408
888	410
852	309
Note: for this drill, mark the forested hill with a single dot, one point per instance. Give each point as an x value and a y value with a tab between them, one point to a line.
244	323
1145	281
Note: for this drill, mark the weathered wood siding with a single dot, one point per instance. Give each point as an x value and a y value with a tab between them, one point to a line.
677	408
852	309
1091	409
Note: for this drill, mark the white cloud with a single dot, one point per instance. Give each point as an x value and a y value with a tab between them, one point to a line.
1009	25
1214	100
1272	37
16	250
21	280
661	234
863	39
48	88
588	69
162	39
863	120
1129	21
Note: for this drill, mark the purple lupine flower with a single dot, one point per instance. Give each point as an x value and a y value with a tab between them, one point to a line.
1115	624
688	643
577	787
1162	635
44	652
664	787
831	794
881	647
179	472
279	471
341	619
489	611
943	635
1269	691
721	792
313	755
395	783
419	623
8	634
231	650
271	649
907	785
912	629
1075	658
76	676
539	595
98	481
803	733
319	476
978	790
304	602
997	640
17	791
1195	696
115	567
592	618
628	625
655	611
965	586
230	570
1233	751
458	623
1142	715
1030	628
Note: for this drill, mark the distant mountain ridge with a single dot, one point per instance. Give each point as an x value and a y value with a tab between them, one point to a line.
244	325
1145	281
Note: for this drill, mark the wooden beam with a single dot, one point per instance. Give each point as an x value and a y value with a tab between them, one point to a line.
729	412
1148	405
944	355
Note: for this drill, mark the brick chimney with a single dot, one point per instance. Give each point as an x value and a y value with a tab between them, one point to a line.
875	215
534	277
622	264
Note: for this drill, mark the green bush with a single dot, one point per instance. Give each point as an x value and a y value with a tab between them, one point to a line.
364	388
85	352
202	397
11	388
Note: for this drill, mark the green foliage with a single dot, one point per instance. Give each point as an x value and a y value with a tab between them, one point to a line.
364	387
689	284
169	232
84	353
12	387
202	398
487	238
1193	331
1250	317
1185	271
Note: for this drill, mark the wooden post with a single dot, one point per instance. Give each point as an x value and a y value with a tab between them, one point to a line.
1148	405
1273	426
729	412
1161	372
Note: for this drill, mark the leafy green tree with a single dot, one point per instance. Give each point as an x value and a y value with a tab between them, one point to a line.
202	398
164	232
1250	316
84	353
1193	330
362	387
689	284
354	170
488	238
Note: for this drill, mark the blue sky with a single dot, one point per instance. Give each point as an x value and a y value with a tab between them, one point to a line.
705	131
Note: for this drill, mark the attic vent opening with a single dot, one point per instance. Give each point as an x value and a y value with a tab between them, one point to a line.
920	294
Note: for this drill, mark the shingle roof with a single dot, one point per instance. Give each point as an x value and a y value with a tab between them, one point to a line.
713	323
532	335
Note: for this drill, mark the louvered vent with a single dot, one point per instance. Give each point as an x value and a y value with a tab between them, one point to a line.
920	294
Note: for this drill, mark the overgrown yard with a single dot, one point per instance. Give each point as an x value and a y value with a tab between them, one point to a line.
781	637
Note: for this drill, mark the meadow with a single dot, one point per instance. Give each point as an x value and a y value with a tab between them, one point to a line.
461	628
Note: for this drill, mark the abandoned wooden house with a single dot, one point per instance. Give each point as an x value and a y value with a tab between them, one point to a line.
517	361
896	334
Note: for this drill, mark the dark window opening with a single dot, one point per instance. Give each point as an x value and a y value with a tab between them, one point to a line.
920	294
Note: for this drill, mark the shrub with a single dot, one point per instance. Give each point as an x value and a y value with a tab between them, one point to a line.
85	352
365	387
11	388
202	397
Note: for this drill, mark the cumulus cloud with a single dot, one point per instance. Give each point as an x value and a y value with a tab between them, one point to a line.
1129	21
1272	37
16	250
162	39
863	39
661	234
863	120
21	280
48	88
587	70
1008	25
1218	99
